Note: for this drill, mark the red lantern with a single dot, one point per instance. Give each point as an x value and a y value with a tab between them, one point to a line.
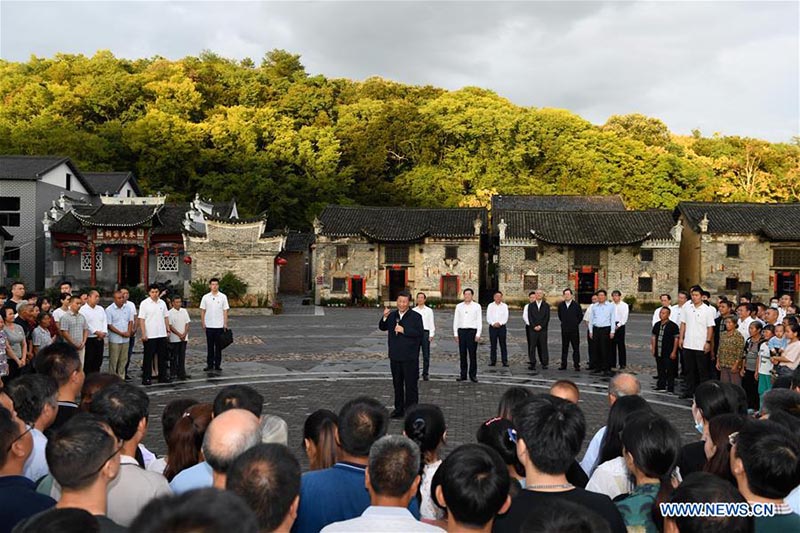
280	261
132	250
187	260
166	252
107	249
73	252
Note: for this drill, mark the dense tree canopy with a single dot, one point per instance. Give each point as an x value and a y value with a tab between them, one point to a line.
286	143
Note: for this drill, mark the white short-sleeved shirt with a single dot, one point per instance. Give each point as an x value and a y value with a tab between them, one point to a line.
153	314
214	305
696	320
178	318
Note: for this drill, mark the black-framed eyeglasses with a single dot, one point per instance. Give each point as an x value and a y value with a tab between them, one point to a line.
118	449
28	429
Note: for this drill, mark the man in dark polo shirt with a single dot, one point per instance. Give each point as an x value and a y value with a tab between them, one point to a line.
18	496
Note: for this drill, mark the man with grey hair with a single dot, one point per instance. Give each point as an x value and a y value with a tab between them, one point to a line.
228	436
623	384
392	479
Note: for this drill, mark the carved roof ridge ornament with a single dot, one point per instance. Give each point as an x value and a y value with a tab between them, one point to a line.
371	234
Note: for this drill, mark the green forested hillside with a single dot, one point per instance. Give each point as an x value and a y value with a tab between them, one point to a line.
285	142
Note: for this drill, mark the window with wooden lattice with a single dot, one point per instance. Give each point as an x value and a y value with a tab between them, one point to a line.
167	263
86	261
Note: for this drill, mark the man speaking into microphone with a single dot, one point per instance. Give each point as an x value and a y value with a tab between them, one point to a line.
405	336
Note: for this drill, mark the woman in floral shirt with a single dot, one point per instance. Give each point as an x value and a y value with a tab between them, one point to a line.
729	356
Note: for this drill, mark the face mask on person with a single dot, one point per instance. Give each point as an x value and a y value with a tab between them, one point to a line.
699	426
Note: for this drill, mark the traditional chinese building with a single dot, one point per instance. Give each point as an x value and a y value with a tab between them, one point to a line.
584	244
376	252
733	248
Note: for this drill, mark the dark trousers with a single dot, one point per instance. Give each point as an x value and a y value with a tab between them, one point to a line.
467	345
214	357
425	346
405	376
498	335
619	353
537	341
93	357
131	343
570	338
602	346
696	365
666	373
152	348
750	386
178	358
593	364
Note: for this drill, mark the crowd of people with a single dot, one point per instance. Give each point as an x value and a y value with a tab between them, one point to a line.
72	459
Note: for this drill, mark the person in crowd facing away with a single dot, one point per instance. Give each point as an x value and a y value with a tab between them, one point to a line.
126	408
84	457
267	478
392	480
619	353
230	397
729	353
499	434
173	412
512	397
429	331
60	361
74	328
601	330
405	329
716	446
17	493
497	318
549	435
705	488
570	316
764	362
154	323
765	460
612	477
536	315
92	385
562	516
214	319
664	348
60	521
229	435
319	439
749	361
425	425
208	510
41	337
474	488
710	399
120	320
337	493
566	390
786	400
621	385
696	335
650	447
35	400
179	323
467	326
185	441
97	326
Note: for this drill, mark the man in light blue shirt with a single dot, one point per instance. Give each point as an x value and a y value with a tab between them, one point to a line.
601	330
120	328
199	476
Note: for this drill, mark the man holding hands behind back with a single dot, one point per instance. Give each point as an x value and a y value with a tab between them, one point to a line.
405	336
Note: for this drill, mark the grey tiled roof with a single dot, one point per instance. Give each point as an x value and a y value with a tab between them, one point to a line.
400	224
28	167
779	222
588	228
166	219
298	242
110	182
557	202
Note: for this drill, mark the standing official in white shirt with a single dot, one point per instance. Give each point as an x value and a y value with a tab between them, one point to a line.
214	319
429	328
467	324
619	354
497	318
97	324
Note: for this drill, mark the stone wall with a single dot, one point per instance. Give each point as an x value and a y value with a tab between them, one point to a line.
752	265
236	248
